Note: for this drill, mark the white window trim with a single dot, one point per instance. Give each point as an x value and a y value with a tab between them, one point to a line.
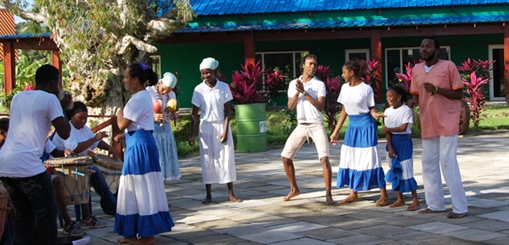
350	51
293	52
159	65
448	48
490	83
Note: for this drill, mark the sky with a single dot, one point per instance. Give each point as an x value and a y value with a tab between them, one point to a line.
17	19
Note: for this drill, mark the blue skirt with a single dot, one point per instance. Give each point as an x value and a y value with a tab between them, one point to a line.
142	207
167	149
360	164
401	174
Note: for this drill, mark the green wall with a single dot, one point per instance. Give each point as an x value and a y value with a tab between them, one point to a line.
185	58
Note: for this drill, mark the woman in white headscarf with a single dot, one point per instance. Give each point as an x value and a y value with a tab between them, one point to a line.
167	147
212	98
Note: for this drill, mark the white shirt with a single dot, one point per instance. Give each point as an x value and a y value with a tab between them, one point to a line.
397	117
31	115
77	136
358	99
306	112
211	100
140	111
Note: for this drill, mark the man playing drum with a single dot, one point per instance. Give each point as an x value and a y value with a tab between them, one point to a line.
22	173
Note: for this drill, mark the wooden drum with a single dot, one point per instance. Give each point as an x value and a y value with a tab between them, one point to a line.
111	169
464	117
75	176
4	200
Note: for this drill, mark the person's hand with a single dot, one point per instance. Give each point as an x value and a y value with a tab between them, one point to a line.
392	153
158	117
114	154
299	86
68	152
174	116
100	135
334	138
385	130
191	141
377	115
119	137
65	100
429	87
224	138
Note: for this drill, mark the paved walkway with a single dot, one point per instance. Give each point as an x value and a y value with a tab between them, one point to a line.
263	218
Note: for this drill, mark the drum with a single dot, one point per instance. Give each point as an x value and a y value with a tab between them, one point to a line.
75	176
111	169
4	200
464	117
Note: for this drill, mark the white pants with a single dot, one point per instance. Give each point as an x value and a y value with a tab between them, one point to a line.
440	152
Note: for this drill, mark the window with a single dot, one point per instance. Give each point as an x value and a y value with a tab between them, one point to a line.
289	62
497	83
356	54
155	60
397	58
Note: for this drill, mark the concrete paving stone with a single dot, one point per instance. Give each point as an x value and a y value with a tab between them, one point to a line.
489	225
384	230
498	241
296	227
326	233
303	241
215	239
216	224
475	235
270	220
485	203
453	241
437	227
351	224
193	219
271	237
361	240
184	235
417	237
495	196
243	230
499	215
369	214
403	221
502	208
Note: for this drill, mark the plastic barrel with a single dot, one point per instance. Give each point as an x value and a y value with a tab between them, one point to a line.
251	127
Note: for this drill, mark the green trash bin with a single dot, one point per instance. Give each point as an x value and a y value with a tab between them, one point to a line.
251	127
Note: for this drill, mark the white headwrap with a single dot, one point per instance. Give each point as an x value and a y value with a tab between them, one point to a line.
169	80
209	63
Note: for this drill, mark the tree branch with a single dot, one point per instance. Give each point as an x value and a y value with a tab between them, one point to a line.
140	45
39	18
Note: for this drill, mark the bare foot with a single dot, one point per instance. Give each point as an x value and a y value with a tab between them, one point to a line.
207	200
349	199
383	201
235	199
329	200
126	240
397	203
293	193
413	207
145	241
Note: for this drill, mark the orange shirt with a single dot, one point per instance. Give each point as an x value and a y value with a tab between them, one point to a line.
439	115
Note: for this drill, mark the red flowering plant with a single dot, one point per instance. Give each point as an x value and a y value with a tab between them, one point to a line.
475	75
275	82
333	87
372	75
247	84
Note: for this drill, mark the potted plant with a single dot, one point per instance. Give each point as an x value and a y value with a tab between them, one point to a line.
249	108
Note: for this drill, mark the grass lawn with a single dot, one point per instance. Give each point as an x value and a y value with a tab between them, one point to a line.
281	123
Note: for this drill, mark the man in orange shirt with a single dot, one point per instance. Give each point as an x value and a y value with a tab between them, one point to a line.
437	88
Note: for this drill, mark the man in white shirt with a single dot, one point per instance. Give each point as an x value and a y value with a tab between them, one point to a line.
22	172
307	94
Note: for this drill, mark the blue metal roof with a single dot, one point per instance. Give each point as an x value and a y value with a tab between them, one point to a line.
232	26
21	36
225	7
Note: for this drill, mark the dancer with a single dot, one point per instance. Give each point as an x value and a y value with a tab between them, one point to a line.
360	165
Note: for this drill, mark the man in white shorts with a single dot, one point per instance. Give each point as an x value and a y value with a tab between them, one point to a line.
307	94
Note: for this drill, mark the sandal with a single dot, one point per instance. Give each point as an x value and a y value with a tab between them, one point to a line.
93	223
453	215
429	211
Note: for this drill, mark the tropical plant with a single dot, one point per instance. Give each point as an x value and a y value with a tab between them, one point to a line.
247	84
98	39
333	86
475	75
405	79
372	75
275	82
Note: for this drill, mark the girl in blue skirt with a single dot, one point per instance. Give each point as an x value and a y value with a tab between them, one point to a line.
142	208
398	119
360	164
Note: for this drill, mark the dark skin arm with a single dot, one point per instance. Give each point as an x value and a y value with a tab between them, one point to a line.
194	117
62	127
388	134
84	145
448	93
224	136
341	120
